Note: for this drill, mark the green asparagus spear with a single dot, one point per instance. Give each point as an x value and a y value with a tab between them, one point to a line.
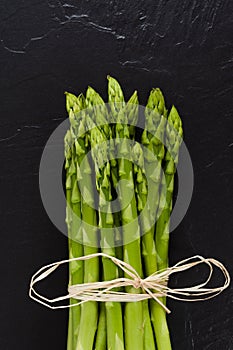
153	140
174	133
119	110
74	104
99	135
89	310
173	140
68	156
101	336
148	246
134	320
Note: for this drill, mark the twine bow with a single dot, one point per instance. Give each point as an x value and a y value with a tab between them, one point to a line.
151	287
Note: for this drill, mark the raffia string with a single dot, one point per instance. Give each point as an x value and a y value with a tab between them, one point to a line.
152	287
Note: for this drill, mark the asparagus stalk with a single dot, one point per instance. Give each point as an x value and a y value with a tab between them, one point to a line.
101	336
116	100
162	225
132	254
134	319
89	313
174	133
74	105
148	246
70	339
95	101
158	317
89	310
99	135
148	336
153	139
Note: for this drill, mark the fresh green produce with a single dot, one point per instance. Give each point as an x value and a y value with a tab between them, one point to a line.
155	114
135	313
99	138
89	310
174	133
109	166
74	105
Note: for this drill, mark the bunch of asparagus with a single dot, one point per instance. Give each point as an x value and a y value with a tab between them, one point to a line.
108	176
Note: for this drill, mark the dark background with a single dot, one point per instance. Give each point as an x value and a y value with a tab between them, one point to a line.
46	47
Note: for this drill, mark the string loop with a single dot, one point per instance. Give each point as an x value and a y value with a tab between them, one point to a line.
151	287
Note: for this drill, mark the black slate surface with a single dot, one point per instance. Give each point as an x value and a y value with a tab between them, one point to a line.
47	47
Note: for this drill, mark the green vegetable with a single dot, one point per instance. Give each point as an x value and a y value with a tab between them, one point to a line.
174	133
74	105
135	313
89	313
113	312
139	178
153	140
101	337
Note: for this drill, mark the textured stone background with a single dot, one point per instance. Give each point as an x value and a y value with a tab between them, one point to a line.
46	47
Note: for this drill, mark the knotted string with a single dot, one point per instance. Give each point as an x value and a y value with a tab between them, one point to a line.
151	287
